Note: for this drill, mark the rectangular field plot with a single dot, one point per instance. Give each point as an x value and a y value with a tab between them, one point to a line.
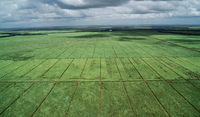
189	92
129	51
9	95
86	100
91	71
127	70
99	50
58	100
162	70
142	100
109	71
178	69
193	68
144	70
57	70
67	53
11	67
73	73
37	72
119	51
29	101
114	101
89	51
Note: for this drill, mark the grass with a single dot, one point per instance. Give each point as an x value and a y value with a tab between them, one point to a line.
84	73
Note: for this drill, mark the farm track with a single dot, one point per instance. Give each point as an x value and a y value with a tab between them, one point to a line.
117	78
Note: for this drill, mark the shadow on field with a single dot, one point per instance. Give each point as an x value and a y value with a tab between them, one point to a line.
20	34
184	41
90	36
16	56
130	39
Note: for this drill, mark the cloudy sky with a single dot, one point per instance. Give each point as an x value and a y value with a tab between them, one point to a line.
40	13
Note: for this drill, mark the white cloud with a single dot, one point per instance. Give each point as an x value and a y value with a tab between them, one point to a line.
88	11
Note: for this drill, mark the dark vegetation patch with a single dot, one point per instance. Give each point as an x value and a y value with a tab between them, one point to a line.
90	36
18	56
183	32
188	41
130	39
19	34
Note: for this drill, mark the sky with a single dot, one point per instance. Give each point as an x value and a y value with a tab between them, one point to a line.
42	13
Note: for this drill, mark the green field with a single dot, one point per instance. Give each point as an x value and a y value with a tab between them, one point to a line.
76	73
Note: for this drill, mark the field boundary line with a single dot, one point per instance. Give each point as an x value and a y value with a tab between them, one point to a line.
173	88
177	73
100	91
150	89
124	88
167	42
51	90
76	87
